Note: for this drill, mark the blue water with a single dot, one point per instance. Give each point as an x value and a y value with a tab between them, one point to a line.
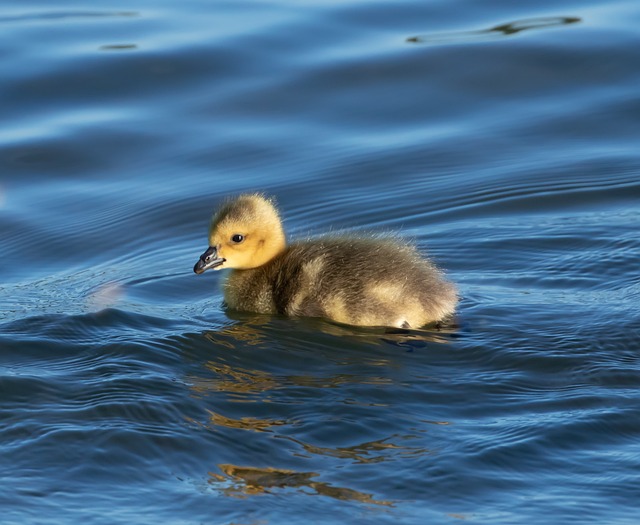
500	137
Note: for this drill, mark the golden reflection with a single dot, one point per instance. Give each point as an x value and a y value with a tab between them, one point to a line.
368	452
247	481
245	423
236	333
234	380
508	29
337	380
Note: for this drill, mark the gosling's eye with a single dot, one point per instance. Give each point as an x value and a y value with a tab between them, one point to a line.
237	238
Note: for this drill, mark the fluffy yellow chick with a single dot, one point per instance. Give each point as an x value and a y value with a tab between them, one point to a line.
356	280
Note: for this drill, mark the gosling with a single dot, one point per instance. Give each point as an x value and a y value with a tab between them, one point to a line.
355	280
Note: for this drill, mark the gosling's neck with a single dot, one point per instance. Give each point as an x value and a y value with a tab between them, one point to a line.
269	248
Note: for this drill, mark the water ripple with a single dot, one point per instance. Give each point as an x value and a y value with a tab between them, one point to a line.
497	31
506	151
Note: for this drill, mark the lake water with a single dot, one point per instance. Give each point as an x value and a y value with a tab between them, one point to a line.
501	137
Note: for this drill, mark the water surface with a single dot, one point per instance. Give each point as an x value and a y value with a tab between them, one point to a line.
502	139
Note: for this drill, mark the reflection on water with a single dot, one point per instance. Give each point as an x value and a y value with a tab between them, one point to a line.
246	332
233	380
124	380
244	423
368	452
250	329
105	296
247	481
238	380
509	29
301	409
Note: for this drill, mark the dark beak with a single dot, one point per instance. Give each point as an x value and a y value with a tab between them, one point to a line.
208	260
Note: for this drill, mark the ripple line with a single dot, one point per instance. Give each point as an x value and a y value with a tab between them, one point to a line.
498	31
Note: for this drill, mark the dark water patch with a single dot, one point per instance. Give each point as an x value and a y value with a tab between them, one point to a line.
498	31
118	47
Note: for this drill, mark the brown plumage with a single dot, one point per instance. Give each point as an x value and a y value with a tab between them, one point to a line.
357	280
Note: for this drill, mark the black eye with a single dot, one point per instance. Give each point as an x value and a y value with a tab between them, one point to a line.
237	238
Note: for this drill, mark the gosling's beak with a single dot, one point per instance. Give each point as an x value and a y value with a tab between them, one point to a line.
208	260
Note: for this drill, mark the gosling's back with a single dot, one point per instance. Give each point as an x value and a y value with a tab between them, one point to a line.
365	281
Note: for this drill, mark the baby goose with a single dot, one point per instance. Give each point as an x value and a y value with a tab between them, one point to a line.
365	281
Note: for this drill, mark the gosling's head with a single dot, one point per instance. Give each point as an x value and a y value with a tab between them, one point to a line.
245	233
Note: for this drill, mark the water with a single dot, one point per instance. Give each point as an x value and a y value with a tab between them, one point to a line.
501	137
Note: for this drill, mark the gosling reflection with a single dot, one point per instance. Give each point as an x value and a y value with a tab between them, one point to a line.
246	481
375	451
265	386
368	452
233	380
253	424
249	384
508	29
255	330
246	331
